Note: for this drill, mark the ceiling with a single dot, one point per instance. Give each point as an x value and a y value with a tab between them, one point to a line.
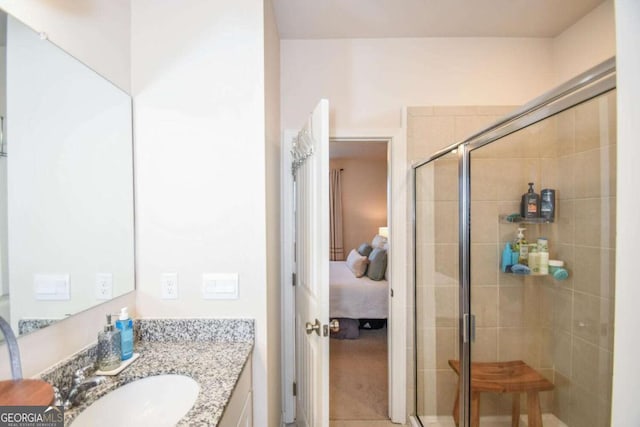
317	19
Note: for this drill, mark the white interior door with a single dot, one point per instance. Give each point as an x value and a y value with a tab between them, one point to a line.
311	181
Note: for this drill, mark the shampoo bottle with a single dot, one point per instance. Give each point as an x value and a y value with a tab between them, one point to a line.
548	204
109	347
125	325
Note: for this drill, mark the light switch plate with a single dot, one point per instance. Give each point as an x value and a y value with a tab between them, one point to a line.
170	286
220	286
104	286
51	287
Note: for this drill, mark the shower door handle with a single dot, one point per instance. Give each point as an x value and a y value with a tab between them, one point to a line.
468	328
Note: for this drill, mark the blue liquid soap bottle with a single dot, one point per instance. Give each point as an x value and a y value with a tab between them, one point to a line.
507	258
125	325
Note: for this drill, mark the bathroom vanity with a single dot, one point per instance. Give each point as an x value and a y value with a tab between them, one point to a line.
215	353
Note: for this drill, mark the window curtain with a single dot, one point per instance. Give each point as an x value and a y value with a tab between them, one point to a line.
336	248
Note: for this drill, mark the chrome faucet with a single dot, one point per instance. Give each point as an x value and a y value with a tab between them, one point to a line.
80	386
14	350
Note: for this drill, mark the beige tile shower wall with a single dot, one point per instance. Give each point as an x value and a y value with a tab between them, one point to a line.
431	129
511	315
582	309
562	329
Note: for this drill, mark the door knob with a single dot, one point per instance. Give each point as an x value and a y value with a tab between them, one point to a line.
334	325
311	327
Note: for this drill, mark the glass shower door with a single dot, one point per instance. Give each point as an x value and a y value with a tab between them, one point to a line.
542	353
437	288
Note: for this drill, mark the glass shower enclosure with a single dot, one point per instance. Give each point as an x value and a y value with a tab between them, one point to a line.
519	331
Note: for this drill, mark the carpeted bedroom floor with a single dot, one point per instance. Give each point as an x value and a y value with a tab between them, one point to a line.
358	379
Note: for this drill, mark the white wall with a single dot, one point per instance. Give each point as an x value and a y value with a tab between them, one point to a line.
272	159
626	411
198	81
95	31
368	81
585	44
107	51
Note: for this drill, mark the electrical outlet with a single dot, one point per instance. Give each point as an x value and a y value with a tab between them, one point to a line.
104	286
170	286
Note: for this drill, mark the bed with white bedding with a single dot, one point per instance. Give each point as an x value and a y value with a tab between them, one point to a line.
356	298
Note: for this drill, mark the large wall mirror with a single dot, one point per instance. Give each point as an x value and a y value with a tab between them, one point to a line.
66	183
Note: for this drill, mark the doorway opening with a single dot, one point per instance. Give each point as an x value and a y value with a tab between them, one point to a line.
359	281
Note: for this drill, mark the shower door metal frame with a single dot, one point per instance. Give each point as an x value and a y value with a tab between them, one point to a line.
591	83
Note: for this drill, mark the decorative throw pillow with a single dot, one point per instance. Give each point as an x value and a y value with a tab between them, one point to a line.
377	264
357	263
365	249
378	241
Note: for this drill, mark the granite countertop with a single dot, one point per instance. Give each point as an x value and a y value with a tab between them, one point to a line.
215	361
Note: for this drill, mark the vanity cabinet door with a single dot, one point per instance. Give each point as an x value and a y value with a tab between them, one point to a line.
239	410
246	417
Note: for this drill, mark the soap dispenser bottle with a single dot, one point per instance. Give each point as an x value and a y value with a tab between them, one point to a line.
125	325
109	347
507	258
521	246
530	203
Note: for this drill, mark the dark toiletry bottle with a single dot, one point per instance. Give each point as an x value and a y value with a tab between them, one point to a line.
530	204
548	204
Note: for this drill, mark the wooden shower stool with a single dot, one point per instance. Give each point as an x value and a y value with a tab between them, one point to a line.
504	377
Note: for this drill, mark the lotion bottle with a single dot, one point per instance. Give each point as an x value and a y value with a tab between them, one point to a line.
543	249
125	325
534	260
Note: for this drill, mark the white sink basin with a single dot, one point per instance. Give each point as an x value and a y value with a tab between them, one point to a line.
160	400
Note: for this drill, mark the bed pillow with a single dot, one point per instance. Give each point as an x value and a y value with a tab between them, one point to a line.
365	249
377	264
357	263
378	241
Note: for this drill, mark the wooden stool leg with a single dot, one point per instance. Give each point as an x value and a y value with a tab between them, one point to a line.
515	410
534	414
475	409
456	406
